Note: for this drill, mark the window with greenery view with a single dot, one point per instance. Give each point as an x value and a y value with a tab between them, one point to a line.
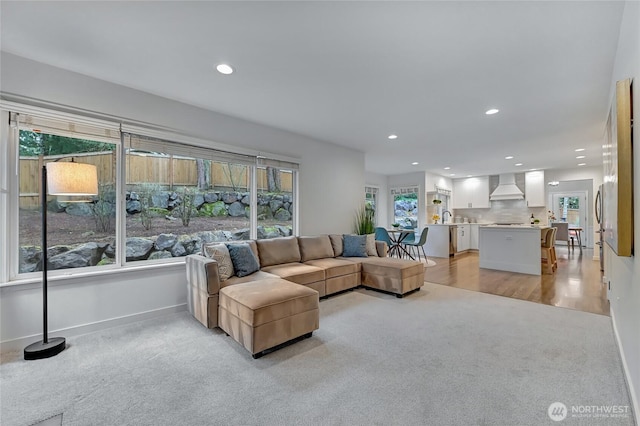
79	234
275	202
175	204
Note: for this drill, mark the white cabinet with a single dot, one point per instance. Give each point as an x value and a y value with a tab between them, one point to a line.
534	188
464	238
471	193
473	236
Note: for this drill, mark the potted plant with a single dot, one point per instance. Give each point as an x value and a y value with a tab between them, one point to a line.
437	202
364	222
435	218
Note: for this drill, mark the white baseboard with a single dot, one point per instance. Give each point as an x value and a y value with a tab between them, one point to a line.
19	343
632	392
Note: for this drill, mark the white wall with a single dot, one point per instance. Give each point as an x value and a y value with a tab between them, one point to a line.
330	190
379	181
624	272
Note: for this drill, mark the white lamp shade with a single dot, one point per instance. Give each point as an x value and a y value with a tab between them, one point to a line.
69	178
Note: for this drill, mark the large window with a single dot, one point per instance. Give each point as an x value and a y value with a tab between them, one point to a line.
276	204
159	200
371	201
79	234
405	206
174	204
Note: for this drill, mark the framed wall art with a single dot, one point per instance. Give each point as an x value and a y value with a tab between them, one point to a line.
618	172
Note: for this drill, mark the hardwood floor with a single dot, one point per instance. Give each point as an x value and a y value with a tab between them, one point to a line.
577	284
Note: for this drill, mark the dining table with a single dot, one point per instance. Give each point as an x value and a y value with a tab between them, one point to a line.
577	232
397	236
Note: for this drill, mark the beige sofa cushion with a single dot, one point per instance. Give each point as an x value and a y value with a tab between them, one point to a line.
299	273
256	276
277	251
337	244
312	248
371	245
335	267
268	300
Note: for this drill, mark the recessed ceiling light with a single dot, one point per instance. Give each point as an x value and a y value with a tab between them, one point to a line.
415	163
492	111
532	170
469	175
447	168
518	164
452	174
392	137
582	164
579	149
581	156
224	69
508	157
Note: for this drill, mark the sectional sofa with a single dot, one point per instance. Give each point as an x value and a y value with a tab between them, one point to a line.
261	308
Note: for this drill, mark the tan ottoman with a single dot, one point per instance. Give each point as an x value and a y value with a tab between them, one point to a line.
263	314
397	276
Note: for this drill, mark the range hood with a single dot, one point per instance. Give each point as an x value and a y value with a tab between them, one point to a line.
507	189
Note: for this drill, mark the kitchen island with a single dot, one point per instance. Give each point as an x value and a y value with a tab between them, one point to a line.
514	248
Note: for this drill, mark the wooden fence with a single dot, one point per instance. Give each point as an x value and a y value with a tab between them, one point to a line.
167	171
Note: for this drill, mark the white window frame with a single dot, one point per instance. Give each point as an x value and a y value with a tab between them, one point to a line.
9	188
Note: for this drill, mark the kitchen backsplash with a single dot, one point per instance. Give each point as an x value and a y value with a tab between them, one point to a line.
508	211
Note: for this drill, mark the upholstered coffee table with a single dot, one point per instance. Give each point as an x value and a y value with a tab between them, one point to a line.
265	314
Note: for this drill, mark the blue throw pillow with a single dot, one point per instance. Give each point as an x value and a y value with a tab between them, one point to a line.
243	259
355	246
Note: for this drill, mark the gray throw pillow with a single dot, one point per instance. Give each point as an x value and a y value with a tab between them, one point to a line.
355	246
243	259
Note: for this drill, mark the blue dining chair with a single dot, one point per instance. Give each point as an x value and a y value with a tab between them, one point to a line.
420	243
382	235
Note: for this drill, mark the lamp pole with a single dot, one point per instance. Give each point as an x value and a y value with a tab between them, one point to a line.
46	347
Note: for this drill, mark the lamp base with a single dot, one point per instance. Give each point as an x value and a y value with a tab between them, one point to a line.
39	350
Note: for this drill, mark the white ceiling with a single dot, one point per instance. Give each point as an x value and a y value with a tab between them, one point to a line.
354	72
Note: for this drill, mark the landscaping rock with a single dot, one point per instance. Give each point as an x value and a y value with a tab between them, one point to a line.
264	213
56	250
268	232
178	251
210	197
55	206
160	199
236	209
217	209
285	231
79	209
160	255
192	244
198	201
263	199
275	205
30	258
229	197
246	200
165	241
133	206
138	248
282	215
241	234
88	254
110	251
133	196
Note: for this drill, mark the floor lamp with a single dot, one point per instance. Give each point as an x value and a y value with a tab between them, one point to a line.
65	179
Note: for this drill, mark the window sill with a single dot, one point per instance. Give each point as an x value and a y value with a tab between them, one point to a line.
93	273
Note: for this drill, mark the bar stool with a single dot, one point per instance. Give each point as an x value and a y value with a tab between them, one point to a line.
548	250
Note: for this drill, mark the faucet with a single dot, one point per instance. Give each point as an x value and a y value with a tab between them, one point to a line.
443	216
